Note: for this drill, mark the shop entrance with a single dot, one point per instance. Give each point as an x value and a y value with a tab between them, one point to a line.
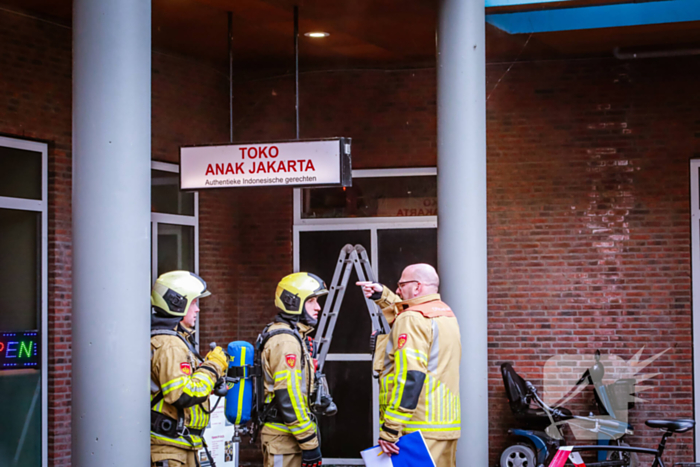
392	242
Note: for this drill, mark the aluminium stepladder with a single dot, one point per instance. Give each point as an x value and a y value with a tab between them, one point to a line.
350	258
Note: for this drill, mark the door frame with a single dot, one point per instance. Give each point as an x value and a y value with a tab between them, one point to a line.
373	224
38	206
695	289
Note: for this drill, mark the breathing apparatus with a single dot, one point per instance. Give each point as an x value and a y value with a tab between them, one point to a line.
245	401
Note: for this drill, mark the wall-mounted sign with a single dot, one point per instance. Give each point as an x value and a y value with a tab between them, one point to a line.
19	350
287	163
219	435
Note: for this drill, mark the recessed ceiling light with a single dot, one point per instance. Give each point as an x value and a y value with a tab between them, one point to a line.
316	34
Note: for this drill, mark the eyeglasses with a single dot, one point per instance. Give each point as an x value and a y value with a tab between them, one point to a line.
401	284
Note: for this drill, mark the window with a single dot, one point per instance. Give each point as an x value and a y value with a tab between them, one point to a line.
376	194
23	291
174	223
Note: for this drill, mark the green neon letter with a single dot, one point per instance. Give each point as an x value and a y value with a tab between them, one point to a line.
25	347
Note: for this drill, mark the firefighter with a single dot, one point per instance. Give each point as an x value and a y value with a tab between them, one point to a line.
419	381
181	380
289	432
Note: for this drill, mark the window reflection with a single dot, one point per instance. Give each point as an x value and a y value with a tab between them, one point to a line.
373	197
166	196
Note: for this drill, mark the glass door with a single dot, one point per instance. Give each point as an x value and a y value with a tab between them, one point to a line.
348	367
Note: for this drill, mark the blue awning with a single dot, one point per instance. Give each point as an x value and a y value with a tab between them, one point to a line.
592	17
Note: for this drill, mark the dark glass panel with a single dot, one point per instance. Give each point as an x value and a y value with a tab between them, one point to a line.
400	247
166	196
350	430
20	173
318	254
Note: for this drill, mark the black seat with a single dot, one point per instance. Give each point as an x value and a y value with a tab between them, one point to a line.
679	425
519	398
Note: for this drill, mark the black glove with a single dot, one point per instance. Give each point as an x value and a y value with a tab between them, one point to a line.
312	458
221	388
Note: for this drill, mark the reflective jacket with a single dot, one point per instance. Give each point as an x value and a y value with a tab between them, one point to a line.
419	375
288	371
177	372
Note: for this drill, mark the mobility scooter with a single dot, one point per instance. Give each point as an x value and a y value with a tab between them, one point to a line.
536	440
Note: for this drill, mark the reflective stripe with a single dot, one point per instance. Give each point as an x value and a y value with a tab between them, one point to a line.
413	426
199	385
418	355
173	384
240	392
295	396
278	427
293	430
193	416
292	383
436	401
197	389
180	441
306	426
442	403
400	382
427	396
279	460
434	348
389	349
399	417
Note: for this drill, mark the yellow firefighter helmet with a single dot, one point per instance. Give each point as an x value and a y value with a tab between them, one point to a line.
295	289
174	291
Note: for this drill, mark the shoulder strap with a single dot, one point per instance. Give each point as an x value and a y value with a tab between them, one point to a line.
170	332
158	398
267	335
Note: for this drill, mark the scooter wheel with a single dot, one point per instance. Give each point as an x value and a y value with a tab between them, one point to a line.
518	455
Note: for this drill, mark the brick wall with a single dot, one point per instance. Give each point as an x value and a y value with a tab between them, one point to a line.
588	201
588	173
35	103
189	106
587	198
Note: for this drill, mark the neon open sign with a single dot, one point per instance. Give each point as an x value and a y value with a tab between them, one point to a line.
19	350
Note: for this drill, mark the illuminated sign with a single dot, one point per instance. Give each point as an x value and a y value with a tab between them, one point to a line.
19	350
286	163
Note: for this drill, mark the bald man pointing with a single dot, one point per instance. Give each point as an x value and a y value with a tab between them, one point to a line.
418	364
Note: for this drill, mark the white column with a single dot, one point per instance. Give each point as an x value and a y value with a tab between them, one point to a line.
461	100
111	236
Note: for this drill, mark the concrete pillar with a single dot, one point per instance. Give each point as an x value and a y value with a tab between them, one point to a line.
461	100
111	234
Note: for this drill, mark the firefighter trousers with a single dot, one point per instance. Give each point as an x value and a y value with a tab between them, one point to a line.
170	456
443	451
280	451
